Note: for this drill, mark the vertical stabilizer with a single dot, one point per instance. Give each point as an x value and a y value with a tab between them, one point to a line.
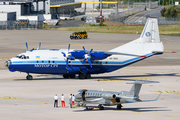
137	87
135	90
150	33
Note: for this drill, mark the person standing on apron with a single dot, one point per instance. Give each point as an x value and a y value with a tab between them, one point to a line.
62	101
56	101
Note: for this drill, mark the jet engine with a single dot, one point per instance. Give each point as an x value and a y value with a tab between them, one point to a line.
109	96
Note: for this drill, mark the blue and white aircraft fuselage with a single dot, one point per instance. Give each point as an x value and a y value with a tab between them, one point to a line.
70	62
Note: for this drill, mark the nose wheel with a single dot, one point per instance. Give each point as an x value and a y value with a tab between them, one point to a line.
29	77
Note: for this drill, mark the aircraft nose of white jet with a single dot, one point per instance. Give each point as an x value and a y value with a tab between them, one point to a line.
7	63
78	97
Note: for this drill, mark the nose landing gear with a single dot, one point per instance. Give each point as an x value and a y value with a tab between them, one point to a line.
29	77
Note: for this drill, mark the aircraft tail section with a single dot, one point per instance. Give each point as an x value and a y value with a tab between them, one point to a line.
148	42
135	90
150	33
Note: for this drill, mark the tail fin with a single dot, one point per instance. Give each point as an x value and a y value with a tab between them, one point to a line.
150	33
137	87
148	42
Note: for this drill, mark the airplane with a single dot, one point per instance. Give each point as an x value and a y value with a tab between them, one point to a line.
70	62
86	98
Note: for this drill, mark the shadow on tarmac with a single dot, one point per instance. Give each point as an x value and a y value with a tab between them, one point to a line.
141	109
148	75
101	77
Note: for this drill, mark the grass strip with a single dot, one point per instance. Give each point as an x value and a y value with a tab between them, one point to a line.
163	29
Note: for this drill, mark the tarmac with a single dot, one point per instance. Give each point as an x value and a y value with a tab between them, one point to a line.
33	99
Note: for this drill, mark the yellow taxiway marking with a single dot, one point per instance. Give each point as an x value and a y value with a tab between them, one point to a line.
124	79
165	41
5	58
166	91
175	92
8	97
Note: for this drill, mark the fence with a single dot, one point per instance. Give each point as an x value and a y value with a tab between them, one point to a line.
13	25
161	21
121	16
149	4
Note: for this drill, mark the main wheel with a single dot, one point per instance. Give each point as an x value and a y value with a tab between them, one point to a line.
65	76
71	37
88	76
29	77
72	76
119	106
82	76
101	107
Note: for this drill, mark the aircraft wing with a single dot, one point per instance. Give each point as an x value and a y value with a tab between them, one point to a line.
133	101
108	53
118	53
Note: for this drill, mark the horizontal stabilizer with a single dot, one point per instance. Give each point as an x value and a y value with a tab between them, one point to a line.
143	82
133	101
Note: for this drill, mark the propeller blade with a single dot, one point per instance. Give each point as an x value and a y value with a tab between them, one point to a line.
27	45
64	54
67	63
39	44
89	62
84	61
84	49
68	47
90	51
71	57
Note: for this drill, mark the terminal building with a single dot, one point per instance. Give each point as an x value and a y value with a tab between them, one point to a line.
18	9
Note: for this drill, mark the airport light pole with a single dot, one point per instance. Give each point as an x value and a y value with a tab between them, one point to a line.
100	11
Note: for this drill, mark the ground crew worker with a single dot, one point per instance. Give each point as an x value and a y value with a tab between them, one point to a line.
70	100
55	100
73	99
62	101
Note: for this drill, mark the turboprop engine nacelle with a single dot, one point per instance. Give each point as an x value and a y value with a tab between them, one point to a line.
109	96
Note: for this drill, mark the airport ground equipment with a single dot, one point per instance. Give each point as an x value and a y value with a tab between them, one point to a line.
79	35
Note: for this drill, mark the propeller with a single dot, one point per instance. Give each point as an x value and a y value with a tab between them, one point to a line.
87	56
26	45
39	44
68	56
33	48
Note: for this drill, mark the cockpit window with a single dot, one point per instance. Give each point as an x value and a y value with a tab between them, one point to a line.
22	57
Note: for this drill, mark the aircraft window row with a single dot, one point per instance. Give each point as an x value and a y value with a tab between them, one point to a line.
48	61
22	57
93	94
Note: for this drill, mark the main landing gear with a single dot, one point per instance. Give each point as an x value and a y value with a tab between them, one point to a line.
84	76
81	76
69	76
29	77
100	107
119	106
